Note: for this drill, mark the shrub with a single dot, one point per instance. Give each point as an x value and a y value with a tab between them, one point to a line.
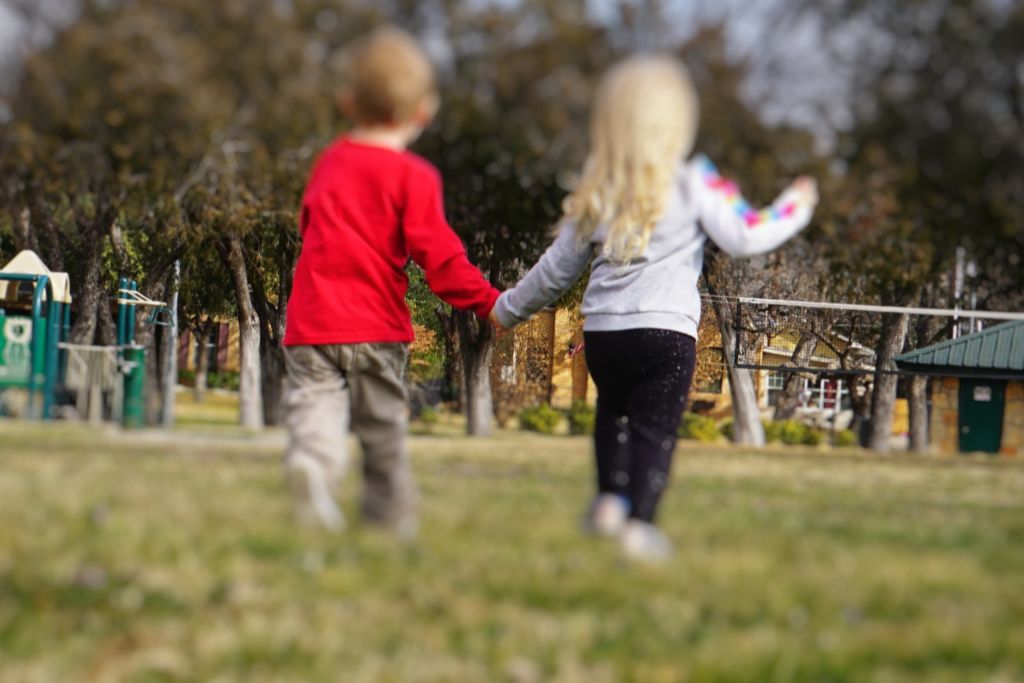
543	419
697	427
772	431
581	418
845	439
792	432
726	429
427	419
813	437
223	380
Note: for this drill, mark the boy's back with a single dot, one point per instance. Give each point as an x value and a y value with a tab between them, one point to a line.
366	211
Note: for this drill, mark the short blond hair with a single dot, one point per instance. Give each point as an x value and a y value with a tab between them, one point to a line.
386	76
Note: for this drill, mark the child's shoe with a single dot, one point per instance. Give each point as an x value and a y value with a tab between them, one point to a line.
607	515
645	543
311	492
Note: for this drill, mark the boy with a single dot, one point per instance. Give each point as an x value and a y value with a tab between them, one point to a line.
370	205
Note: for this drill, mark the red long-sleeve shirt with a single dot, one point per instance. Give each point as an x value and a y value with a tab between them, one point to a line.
366	211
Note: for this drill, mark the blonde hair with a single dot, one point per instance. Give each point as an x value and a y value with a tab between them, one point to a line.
386	75
643	124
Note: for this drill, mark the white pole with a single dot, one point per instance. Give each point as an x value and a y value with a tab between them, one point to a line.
171	353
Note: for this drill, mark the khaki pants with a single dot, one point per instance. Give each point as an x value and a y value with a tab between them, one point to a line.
330	385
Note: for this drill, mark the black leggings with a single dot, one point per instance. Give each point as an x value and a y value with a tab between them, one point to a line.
643	379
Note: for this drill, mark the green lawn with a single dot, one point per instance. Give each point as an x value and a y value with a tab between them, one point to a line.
157	558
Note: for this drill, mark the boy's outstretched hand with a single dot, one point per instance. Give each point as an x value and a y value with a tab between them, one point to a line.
500	329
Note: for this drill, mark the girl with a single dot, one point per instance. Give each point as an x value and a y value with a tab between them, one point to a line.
642	213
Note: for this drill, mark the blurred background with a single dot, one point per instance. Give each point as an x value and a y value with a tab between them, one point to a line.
137	134
168	142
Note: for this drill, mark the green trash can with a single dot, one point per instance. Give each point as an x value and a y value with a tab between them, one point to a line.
134	415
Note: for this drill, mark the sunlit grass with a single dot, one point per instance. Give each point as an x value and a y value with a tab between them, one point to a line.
218	408
157	558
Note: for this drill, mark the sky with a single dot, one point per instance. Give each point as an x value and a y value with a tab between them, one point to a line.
819	91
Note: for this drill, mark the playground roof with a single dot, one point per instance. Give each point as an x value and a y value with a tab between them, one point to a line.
998	348
29	263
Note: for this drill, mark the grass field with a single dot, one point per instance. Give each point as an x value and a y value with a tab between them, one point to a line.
156	558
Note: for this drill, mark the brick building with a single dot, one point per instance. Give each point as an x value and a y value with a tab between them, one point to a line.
978	391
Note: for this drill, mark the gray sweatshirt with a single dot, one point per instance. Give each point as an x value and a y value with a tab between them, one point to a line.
657	289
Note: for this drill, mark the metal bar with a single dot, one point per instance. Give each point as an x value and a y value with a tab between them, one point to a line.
52	359
37	347
136	298
957	372
132	284
65	333
171	355
122	316
737	330
947	312
22	277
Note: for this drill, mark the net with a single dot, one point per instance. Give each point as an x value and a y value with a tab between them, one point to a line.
94	378
841	339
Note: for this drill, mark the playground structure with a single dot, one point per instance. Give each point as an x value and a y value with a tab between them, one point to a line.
42	373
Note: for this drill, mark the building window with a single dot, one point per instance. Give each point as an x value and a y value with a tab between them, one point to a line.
776	381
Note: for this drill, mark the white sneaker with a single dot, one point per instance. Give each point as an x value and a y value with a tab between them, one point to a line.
607	515
645	543
311	491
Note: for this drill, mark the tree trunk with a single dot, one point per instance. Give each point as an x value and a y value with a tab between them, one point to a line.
90	295
202	360
789	398
917	397
170	360
272	323
250	397
107	329
454	390
146	336
883	399
860	401
24	236
926	331
746	416
272	356
476	341
580	372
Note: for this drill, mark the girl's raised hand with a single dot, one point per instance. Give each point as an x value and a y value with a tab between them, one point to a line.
807	188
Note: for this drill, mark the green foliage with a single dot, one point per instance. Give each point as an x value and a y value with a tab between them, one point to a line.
421	300
542	419
726	428
581	418
699	428
845	439
429	417
772	431
791	433
227	380
813	437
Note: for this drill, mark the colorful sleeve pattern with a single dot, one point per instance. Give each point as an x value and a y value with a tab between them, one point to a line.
731	192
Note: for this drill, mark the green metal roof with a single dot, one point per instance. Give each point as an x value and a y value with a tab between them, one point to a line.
999	348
